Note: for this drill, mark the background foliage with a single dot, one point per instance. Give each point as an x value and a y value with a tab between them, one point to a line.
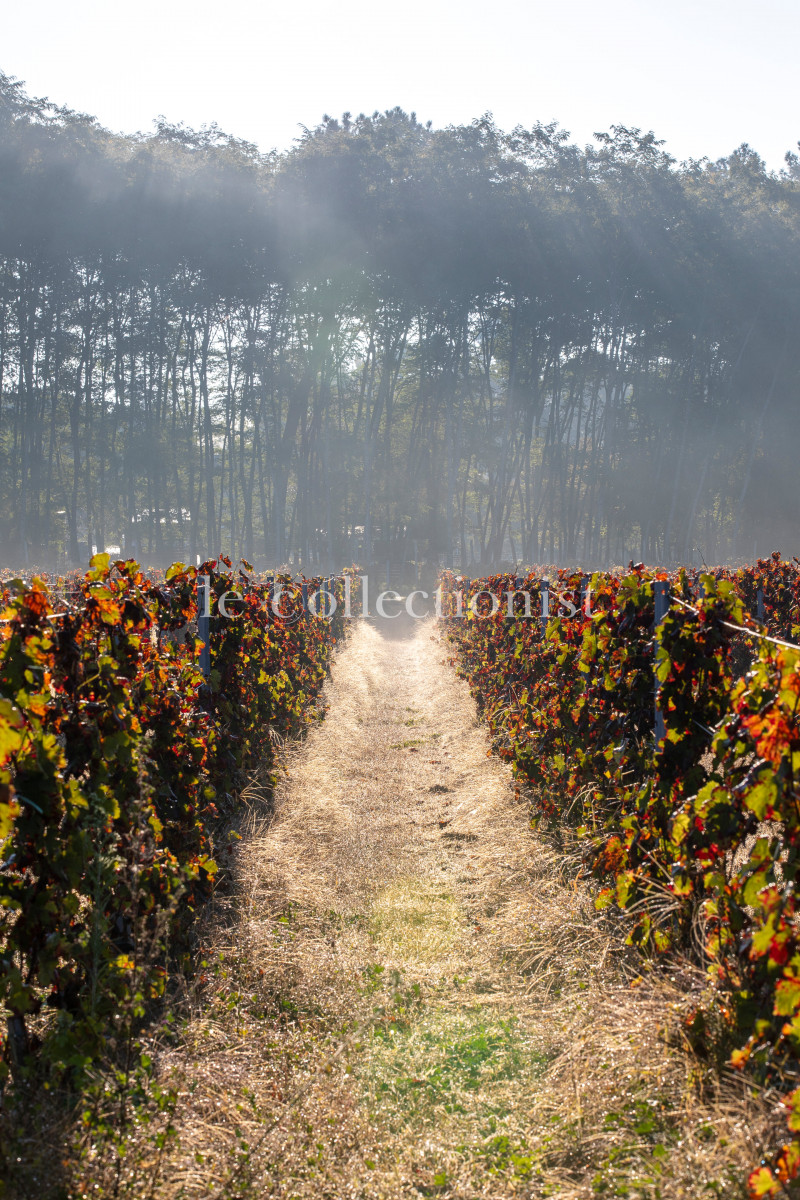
497	345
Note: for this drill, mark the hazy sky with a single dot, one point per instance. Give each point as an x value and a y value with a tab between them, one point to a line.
705	75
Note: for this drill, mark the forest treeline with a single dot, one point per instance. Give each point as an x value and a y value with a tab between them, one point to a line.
454	344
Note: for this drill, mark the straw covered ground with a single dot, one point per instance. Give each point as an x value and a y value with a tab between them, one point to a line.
406	993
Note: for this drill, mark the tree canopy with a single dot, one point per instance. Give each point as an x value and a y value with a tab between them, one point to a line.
495	346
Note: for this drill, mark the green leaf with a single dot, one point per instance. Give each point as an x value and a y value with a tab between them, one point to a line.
787	997
752	888
626	881
761	796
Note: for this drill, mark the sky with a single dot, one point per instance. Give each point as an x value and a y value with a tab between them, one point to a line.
704	75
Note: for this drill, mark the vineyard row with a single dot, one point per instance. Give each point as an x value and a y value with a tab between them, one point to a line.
120	764
691	834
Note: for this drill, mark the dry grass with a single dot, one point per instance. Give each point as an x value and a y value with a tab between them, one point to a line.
407	994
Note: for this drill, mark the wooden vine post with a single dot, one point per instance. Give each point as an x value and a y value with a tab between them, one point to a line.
544	591
204	625
585	594
661	595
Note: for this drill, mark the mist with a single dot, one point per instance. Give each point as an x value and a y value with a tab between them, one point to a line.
458	346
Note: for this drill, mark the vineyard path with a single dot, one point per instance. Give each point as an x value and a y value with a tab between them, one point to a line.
421	994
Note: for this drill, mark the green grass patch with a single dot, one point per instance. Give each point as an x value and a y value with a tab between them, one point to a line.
452	1062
